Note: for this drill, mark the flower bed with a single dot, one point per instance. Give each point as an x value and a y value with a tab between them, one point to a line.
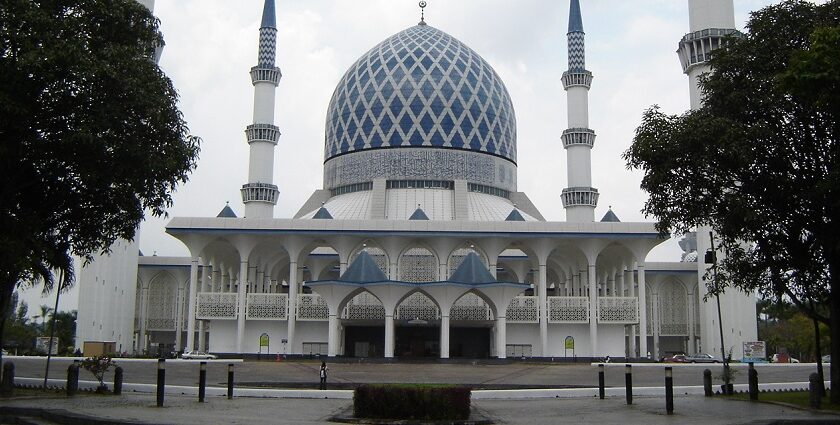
411	402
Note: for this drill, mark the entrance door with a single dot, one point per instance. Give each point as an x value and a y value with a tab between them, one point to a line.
364	341
417	341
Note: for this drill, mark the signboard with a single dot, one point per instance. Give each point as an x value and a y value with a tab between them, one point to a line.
755	352
42	342
264	340
570	343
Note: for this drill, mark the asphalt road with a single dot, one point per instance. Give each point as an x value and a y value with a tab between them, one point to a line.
304	374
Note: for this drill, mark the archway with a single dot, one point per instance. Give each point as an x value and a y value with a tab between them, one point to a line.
363	323
417	331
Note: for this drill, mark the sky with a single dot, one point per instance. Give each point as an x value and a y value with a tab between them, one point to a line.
212	44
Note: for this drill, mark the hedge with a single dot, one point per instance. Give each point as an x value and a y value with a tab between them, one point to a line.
411	402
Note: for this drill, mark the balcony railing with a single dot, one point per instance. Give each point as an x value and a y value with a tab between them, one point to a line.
568	310
621	310
267	306
216	305
523	309
311	307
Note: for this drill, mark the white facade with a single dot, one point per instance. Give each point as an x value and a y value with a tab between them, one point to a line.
420	174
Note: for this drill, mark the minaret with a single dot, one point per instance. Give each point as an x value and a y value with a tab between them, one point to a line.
260	194
710	21
580	198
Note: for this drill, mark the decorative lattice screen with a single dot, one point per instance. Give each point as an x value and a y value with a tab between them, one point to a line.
418	306
568	309
523	309
418	265
623	310
458	256
673	309
163	294
312	307
470	307
216	305
364	306
267	306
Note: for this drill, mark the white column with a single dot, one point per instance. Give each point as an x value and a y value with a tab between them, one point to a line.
332	336
144	306
643	346
444	336
501	338
543	300
389	336
656	323
691	323
206	271
291	313
191	304
241	299
593	310
179	317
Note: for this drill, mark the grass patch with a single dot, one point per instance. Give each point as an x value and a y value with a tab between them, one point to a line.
797	398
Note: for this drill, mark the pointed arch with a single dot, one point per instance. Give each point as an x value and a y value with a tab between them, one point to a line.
418	263
473	305
417	304
361	304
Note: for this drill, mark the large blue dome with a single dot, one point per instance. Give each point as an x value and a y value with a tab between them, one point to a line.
421	88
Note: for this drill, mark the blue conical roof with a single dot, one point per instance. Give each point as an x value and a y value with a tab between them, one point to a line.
515	216
419	214
269	17
363	270
472	271
226	212
322	214
610	217
575	19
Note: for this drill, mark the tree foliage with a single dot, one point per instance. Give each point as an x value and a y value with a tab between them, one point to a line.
90	133
759	162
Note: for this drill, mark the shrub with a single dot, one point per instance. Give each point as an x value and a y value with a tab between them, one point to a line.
98	366
411	402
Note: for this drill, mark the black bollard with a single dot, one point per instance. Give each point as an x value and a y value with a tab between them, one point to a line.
8	385
161	381
202	381
752	376
72	379
814	392
230	381
669	390
118	380
707	383
628	383
601	381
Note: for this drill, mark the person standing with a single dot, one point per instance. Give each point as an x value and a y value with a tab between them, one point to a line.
322	373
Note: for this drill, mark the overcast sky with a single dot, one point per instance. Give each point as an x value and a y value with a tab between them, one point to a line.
212	44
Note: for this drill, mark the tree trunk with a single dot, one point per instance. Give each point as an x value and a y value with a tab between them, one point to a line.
6	290
819	354
834	269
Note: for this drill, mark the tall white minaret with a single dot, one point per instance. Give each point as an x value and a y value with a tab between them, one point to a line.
580	198
710	21
260	194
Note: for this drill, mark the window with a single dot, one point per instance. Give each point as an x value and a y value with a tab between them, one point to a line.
315	348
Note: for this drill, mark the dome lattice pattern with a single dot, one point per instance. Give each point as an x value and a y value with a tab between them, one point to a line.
421	88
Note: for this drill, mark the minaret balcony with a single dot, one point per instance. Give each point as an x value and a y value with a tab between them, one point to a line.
262	133
577	78
265	75
578	137
696	48
580	197
260	192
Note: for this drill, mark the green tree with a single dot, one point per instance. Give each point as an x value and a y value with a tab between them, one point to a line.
90	134
65	330
759	162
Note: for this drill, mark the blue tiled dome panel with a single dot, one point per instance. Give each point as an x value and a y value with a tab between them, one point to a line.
421	88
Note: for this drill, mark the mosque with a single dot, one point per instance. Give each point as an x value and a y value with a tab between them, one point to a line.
419	243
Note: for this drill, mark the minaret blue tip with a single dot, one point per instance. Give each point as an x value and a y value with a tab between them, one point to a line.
575	20
269	18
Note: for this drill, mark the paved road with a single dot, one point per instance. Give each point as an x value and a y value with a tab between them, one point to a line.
255	411
297	374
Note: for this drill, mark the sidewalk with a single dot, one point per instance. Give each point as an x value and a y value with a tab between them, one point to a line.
182	410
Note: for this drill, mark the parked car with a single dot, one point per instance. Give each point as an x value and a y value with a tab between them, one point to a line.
776	357
198	355
826	358
676	358
701	358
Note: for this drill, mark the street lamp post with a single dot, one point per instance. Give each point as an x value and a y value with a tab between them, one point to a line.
711	258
